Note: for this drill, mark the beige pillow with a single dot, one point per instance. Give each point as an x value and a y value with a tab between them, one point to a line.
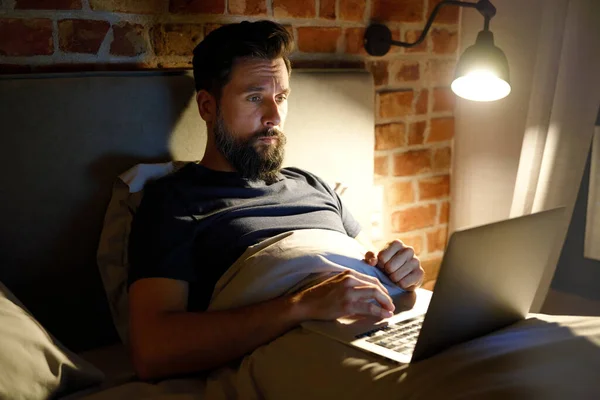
112	250
33	364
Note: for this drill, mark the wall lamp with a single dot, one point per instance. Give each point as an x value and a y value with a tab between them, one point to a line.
482	70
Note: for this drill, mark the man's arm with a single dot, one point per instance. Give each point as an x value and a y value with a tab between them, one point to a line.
167	340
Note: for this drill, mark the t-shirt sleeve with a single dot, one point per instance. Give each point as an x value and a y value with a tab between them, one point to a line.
351	225
161	238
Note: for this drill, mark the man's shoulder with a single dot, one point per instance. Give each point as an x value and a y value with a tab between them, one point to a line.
304	175
298	173
160	189
178	176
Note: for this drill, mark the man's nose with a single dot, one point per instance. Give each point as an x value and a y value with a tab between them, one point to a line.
271	114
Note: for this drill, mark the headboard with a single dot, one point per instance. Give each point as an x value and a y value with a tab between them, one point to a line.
65	138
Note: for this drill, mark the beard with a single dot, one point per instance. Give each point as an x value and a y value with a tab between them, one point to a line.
251	158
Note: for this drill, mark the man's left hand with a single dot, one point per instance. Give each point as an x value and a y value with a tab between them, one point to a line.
399	263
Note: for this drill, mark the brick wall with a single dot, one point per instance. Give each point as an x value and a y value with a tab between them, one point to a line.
414	106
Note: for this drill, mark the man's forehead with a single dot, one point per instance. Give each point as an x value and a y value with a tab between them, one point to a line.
258	73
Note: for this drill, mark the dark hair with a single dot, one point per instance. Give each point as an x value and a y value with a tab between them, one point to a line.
215	55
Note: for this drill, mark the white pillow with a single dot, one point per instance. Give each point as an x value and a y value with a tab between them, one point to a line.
112	256
33	364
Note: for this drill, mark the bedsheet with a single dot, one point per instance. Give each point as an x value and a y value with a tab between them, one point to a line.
542	357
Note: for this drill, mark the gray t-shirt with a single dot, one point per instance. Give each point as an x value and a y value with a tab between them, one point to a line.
193	224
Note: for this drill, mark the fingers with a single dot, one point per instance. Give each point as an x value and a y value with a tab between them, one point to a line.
368	279
388	252
396	260
364	293
371	258
412	281
410	266
361	287
365	308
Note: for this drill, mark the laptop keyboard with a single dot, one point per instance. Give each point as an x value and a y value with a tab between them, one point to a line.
400	337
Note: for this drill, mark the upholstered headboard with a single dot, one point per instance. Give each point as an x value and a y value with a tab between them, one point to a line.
65	138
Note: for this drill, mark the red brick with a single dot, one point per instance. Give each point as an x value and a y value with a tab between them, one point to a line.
422	102
413	218
395	104
128	40
327	9
444	213
412	240
26	37
318	40
447	15
82	36
442	159
436	240
381	165
398	11
175	39
208	28
355	41
405	71
412	163
130	6
390	136
441	130
247	7
443	99
400	193
294	9
196	6
431	268
48	5
444	41
379	69
434	188
416	133
440	72
411	36
352	10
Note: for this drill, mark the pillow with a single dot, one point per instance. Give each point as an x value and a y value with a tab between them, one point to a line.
112	249
33	364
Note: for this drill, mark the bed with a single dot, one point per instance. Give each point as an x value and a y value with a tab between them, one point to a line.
77	150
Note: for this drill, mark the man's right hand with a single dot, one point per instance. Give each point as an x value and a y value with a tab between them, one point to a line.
348	293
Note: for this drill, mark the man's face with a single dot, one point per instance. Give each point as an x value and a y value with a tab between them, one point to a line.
251	112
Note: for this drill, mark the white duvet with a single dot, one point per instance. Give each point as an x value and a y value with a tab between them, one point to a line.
287	263
543	357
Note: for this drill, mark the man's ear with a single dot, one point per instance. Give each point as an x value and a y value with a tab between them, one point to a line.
207	106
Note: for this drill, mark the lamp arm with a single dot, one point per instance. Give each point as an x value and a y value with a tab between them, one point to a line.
431	18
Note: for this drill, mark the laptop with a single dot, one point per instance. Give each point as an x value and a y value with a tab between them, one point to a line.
487	281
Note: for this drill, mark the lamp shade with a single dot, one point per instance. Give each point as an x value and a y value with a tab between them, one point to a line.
482	71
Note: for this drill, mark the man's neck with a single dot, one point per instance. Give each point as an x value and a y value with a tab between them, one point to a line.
213	159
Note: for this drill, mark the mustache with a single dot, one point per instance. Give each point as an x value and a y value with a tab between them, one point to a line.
269	132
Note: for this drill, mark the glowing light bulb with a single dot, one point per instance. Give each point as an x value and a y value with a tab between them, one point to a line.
480	85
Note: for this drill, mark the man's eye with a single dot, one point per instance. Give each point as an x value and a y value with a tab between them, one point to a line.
281	98
254	98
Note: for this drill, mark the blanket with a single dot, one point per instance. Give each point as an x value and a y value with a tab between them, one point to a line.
542	357
289	262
